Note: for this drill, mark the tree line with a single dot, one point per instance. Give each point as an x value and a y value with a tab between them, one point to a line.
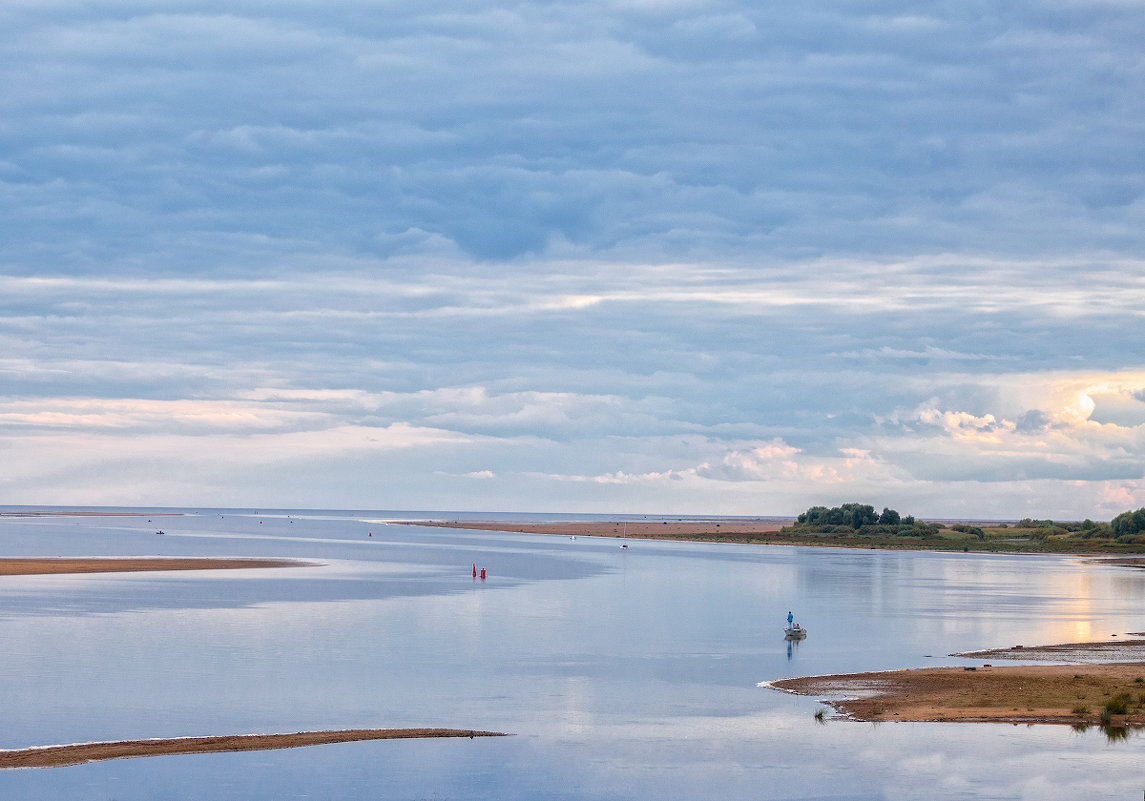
862	519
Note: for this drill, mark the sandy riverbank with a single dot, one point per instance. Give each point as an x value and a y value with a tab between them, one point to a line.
1073	694
49	565
56	756
729	529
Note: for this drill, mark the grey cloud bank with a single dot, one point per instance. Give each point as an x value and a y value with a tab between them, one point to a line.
638	131
680	257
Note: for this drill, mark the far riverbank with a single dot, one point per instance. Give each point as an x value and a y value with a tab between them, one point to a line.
996	538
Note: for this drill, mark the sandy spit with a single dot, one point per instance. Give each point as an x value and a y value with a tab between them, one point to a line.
42	566
55	756
84	513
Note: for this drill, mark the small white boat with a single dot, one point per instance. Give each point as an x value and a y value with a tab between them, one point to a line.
794	632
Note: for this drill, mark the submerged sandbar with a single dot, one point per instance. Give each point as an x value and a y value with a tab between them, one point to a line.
13	566
57	756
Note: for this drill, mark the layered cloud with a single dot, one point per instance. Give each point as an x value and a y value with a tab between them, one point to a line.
693	256
258	134
673	387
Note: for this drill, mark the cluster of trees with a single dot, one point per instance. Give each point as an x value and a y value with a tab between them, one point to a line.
855	515
965	529
1086	529
860	518
1128	523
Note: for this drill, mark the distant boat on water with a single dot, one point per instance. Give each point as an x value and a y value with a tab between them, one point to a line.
794	632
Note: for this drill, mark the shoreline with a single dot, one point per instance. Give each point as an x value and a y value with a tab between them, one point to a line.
40	566
1077	693
58	756
768	531
714	529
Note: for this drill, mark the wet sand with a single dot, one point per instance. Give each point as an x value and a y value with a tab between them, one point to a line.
1073	694
51	565
727	529
56	756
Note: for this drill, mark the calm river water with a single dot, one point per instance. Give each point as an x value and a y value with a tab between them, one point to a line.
622	673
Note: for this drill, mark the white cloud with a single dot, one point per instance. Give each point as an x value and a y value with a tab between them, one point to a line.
1041	429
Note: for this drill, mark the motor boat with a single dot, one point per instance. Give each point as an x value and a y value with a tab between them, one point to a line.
794	632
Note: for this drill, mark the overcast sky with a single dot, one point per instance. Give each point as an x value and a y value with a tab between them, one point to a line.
649	257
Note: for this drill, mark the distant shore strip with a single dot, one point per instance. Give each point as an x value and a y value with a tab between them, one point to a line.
58	756
716	529
35	566
780	531
82	513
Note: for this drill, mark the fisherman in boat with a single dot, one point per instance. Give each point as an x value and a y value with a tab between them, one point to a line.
794	631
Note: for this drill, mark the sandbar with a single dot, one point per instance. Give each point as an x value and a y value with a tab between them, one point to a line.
56	756
1073	694
13	566
82	513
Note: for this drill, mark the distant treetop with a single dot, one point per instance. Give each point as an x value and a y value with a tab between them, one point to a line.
854	515
1128	523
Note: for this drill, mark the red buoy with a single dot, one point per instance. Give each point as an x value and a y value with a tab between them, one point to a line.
482	574
474	570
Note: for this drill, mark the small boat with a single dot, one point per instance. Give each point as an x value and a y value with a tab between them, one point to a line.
794	632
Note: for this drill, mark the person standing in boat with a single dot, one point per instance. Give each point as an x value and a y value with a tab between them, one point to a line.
790	619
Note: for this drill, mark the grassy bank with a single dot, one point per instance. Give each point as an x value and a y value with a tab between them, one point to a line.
999	538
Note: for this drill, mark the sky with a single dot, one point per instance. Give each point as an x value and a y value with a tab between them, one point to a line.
679	257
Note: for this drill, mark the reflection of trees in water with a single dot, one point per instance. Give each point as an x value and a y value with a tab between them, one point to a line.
1112	733
1115	733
